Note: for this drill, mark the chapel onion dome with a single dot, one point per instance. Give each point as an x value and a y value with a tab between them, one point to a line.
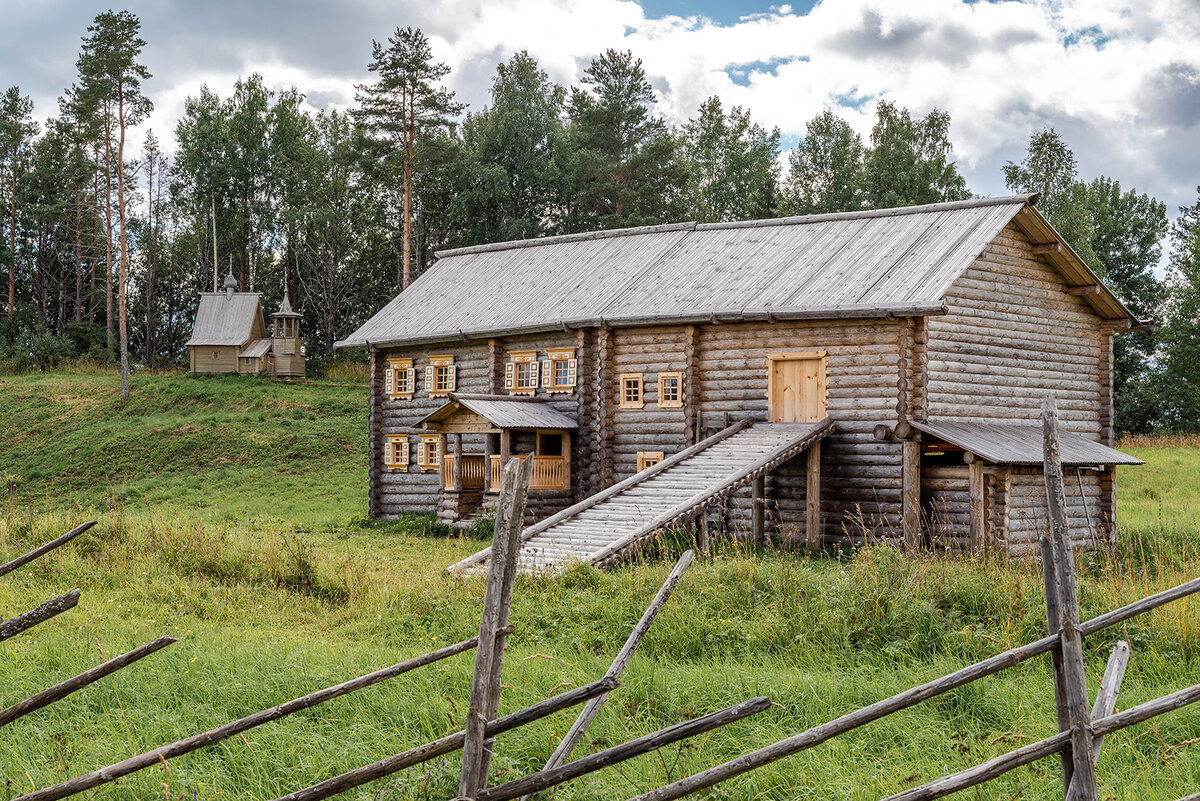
231	283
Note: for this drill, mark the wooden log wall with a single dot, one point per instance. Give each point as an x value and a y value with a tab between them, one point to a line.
861	478
1013	335
413	491
479	369
946	502
375	437
648	351
1027	518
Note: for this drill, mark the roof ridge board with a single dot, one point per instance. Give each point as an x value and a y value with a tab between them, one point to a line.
953	205
583	236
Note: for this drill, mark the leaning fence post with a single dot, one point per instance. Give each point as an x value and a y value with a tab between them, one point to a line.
497	597
1110	685
1083	775
512	533
571	739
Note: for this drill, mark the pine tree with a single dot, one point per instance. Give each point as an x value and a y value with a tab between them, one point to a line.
622	157
16	129
112	77
404	105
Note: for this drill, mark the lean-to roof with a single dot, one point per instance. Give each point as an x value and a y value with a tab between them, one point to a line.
256	349
875	263
1013	444
225	318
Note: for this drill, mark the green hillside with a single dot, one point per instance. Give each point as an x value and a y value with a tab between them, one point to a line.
230	516
234	446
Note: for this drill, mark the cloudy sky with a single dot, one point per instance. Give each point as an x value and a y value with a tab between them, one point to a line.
1120	81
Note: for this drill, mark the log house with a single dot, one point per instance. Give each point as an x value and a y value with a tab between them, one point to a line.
916	345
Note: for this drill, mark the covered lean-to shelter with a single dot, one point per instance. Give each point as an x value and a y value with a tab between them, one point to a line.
833	377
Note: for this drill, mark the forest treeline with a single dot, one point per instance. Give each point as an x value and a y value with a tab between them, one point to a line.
106	250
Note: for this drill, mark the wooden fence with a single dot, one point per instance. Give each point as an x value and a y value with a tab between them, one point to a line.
1079	741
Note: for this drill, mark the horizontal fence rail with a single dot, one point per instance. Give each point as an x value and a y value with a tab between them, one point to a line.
449	743
910	697
20	561
188	744
63	689
48	610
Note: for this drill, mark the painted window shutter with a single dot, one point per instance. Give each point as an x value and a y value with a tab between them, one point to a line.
387	452
421	453
429	372
509	376
410	379
404	453
572	369
547	373
389	381
451	376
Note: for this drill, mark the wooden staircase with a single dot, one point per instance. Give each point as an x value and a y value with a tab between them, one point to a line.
602	528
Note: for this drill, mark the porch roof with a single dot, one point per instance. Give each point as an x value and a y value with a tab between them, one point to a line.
256	349
504	411
1008	443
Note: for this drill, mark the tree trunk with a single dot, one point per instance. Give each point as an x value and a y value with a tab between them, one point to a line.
124	328
12	248
95	220
410	133
150	268
78	254
108	254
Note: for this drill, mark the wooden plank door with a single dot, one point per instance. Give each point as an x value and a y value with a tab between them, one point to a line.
796	387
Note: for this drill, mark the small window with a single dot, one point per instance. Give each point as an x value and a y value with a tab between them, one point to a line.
670	390
559	371
631	391
440	378
395	453
648	459
429	453
521	373
216	354
399	379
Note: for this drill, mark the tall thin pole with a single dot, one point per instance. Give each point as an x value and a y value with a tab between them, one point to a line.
216	270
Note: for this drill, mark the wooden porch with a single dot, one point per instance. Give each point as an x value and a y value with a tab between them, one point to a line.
549	472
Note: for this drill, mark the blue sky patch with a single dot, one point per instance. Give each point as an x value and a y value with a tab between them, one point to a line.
1093	36
722	12
740	73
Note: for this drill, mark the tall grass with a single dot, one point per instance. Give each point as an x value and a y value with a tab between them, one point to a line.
267	613
231	516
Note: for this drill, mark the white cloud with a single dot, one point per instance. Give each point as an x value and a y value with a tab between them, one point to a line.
1121	81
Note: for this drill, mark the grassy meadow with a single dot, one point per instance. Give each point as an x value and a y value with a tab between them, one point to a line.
232	516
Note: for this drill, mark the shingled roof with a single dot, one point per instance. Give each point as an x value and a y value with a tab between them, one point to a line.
899	262
225	318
